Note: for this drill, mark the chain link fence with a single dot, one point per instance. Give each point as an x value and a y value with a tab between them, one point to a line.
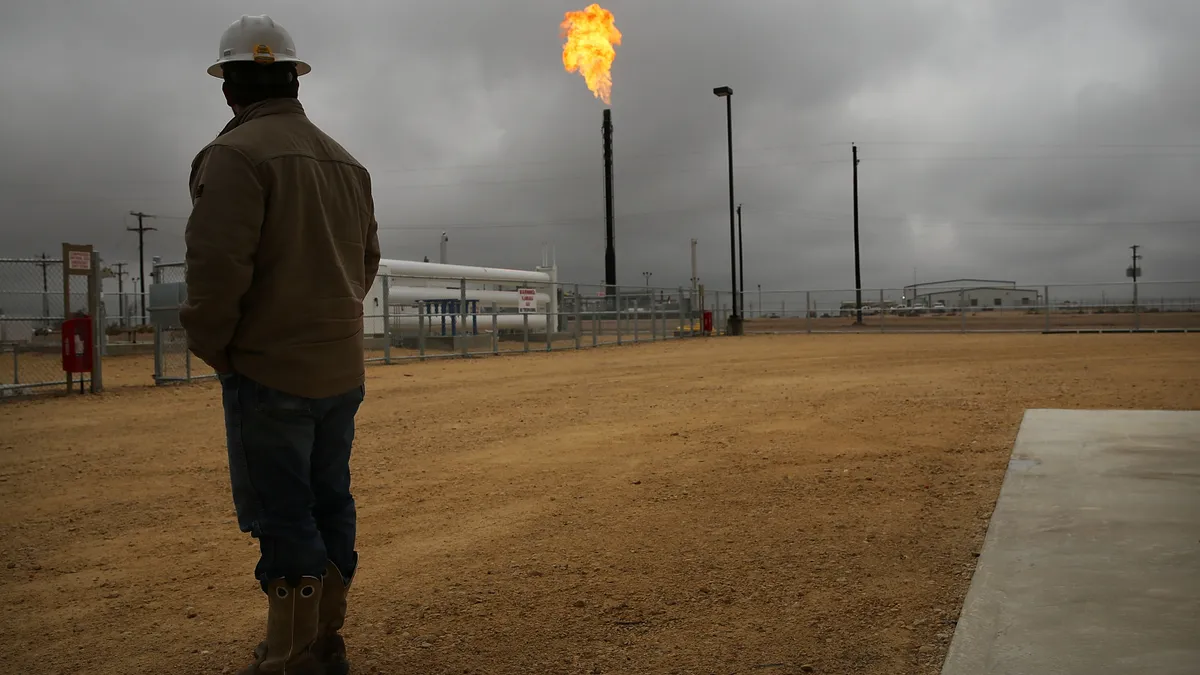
979	308
32	310
408	317
418	318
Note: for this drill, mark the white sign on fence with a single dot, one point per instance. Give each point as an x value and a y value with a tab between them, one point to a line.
528	303
79	261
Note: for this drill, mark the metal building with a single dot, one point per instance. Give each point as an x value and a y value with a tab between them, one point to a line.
973	293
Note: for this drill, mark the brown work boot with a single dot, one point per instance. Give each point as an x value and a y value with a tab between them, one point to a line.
330	648
292	620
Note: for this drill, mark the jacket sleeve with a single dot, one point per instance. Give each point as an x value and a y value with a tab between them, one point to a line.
228	205
372	253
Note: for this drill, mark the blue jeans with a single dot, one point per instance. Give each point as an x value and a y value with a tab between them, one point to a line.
289	465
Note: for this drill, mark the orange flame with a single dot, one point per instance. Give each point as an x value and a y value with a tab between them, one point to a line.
590	37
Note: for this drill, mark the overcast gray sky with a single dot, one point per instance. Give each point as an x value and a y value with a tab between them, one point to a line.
1031	140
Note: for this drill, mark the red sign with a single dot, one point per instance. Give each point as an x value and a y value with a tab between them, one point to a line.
77	345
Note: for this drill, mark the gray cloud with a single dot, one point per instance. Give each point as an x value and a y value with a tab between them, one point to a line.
1028	140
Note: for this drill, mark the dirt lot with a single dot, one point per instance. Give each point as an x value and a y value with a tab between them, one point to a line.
772	504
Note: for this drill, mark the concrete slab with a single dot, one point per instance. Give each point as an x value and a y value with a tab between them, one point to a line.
1091	562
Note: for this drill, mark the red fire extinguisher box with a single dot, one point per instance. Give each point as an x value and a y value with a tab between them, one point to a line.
77	345
708	322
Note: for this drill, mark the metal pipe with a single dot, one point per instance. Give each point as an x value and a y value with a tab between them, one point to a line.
424	270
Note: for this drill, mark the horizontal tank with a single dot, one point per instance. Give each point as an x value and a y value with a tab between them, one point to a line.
424	270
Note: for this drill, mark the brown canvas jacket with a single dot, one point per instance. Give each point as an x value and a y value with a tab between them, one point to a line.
282	247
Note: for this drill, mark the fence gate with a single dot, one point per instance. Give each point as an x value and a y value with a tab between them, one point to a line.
173	363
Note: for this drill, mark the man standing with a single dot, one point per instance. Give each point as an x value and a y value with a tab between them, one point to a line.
282	247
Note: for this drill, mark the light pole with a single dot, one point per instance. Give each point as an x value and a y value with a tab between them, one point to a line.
760	305
735	318
647	275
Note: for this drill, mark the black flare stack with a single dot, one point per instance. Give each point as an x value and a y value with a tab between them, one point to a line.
610	252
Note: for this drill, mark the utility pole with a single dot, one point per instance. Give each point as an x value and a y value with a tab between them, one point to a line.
46	291
141	230
741	265
1134	271
120	273
857	266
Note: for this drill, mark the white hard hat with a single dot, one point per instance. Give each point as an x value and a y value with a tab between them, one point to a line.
258	39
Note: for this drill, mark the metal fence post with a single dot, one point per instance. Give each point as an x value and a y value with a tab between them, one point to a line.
681	316
808	312
718	320
962	308
95	307
462	316
422	306
1137	311
882	311
656	332
525	321
550	329
158	354
578	318
660	314
385	288
495	329
637	320
617	295
1047	297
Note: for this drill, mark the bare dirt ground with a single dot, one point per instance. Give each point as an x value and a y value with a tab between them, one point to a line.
771	504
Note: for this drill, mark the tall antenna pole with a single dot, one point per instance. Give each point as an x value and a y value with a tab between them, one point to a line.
141	229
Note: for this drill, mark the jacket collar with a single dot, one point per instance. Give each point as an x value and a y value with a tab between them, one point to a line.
272	106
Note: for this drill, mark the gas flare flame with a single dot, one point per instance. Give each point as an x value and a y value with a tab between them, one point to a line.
589	49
